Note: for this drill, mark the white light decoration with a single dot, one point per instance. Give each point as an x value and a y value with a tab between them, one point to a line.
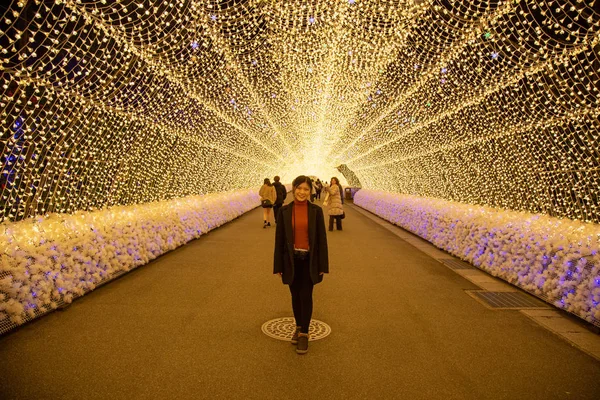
120	103
50	261
555	259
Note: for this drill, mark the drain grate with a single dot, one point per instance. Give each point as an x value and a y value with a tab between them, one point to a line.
283	329
456	264
506	300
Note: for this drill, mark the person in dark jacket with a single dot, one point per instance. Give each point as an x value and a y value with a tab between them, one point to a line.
319	188
301	256
281	195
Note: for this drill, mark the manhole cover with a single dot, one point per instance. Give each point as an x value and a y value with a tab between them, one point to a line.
506	300
283	329
456	264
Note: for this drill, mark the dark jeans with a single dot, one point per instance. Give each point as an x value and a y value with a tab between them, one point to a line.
338	222
276	208
318	194
302	289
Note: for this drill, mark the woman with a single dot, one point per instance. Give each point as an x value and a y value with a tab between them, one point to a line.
301	256
268	196
336	204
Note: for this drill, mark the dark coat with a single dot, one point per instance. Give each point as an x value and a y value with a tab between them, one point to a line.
284	244
281	193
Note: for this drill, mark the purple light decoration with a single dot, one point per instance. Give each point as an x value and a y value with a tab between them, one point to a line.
444	70
213	17
311	20
194	45
494	55
351	1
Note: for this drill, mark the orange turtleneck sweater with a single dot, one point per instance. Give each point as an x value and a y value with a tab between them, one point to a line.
300	224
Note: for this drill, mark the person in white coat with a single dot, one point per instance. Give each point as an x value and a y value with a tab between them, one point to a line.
335	203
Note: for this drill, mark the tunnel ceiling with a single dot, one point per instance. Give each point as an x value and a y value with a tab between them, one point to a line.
122	102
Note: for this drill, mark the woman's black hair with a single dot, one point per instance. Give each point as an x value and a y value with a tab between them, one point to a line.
337	181
302	179
267	181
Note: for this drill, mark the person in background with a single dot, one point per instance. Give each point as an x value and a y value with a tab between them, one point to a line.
281	195
313	191
334	199
301	256
268	196
319	188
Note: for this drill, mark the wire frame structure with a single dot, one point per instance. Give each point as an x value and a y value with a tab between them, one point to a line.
122	102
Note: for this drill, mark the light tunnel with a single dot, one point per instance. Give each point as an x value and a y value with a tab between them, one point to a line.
127	125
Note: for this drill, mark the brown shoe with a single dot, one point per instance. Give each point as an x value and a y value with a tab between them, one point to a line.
295	336
302	343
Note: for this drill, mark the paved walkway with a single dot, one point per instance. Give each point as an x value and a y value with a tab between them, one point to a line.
188	326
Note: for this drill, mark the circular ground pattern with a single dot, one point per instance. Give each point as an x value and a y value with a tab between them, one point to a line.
283	329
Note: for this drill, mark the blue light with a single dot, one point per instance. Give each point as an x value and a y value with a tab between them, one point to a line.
213	17
351	1
194	45
444	70
311	20
494	55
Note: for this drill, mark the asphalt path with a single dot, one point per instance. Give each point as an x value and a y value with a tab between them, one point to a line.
188	326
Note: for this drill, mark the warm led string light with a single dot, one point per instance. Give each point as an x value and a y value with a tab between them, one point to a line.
122	102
